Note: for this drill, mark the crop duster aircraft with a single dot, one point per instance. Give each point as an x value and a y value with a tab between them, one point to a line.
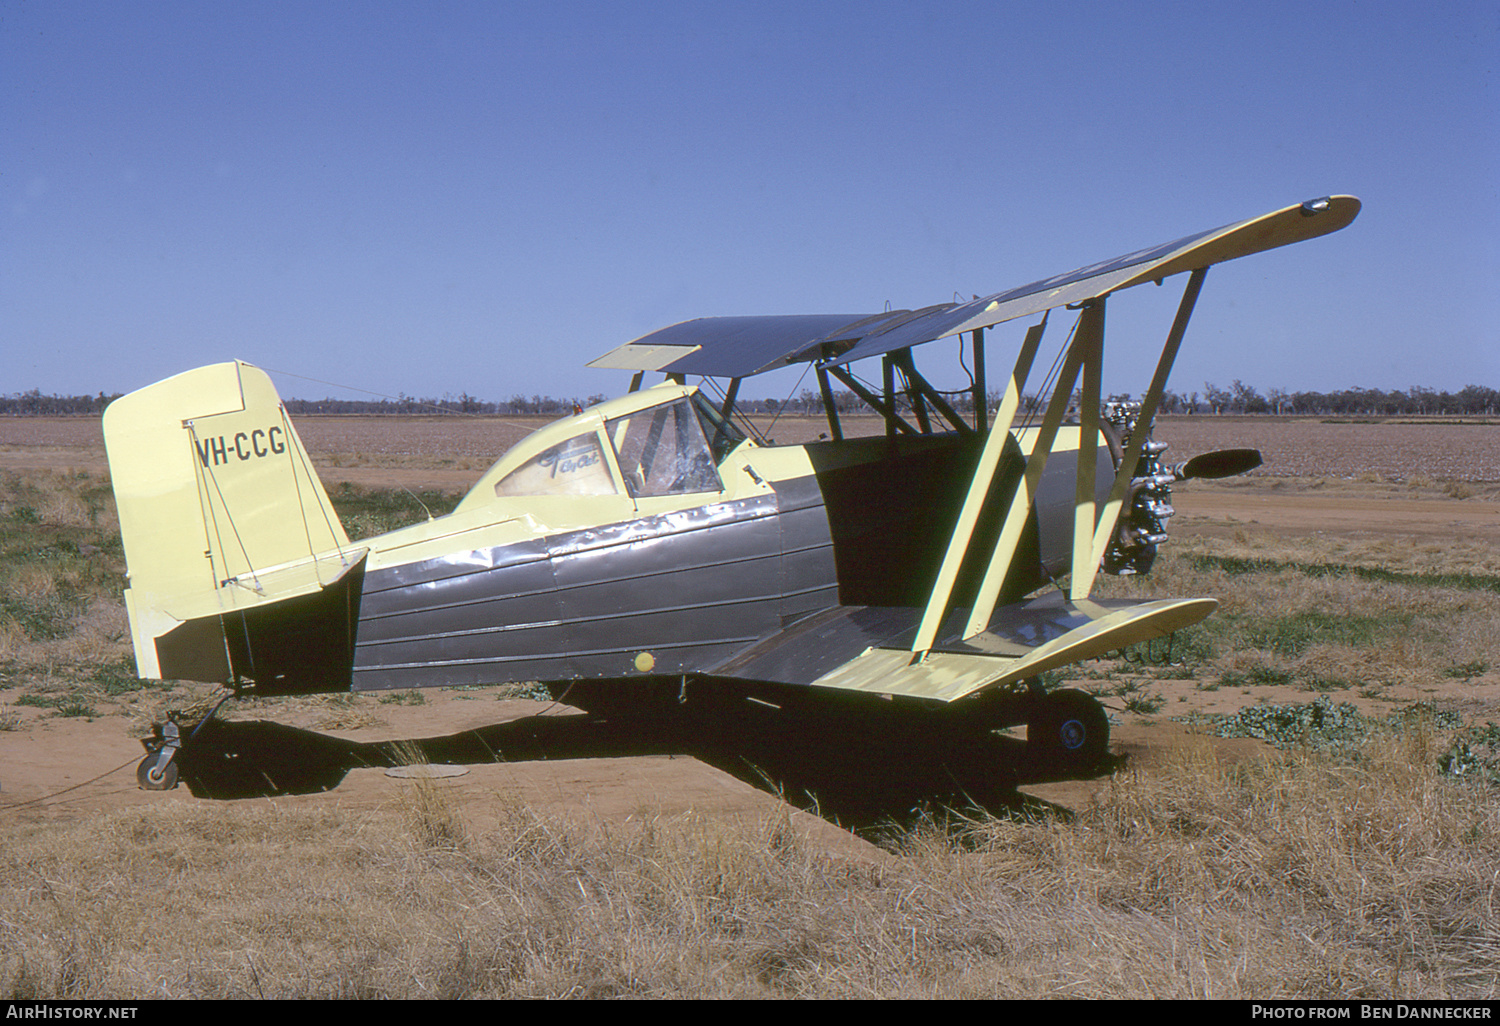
646	556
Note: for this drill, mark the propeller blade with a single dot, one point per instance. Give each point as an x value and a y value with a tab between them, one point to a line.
1221	463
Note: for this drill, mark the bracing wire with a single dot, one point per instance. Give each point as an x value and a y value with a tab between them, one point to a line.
744	421
214	479
1034	407
380	395
782	406
328	516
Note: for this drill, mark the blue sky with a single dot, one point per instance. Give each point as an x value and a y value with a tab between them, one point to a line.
445	197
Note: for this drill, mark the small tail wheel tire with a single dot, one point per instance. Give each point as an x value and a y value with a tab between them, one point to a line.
1069	731
151	777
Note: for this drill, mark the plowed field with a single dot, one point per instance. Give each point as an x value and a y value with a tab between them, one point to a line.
1293	447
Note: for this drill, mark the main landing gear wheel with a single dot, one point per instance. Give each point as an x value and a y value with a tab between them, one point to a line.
153	777
1068	732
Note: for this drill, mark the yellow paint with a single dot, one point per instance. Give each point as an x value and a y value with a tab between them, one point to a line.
968	517
948	676
215	491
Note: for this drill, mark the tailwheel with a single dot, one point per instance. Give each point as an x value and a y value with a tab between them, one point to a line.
1068	732
152	775
158	770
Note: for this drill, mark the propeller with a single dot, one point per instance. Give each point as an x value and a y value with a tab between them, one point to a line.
1220	463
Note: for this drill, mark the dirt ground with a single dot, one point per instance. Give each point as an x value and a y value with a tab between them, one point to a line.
55	767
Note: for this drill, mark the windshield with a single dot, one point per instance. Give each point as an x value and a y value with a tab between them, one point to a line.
664	451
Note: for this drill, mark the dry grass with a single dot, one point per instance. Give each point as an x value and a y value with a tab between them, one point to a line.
1333	613
1294	878
61	571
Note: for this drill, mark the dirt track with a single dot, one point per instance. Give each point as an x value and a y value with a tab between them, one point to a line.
71	768
1217	511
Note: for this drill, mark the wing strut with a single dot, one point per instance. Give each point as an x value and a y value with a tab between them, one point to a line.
1088	340
1092	528
1091	339
921	389
984	473
879	405
980	423
1084	571
830	408
727	410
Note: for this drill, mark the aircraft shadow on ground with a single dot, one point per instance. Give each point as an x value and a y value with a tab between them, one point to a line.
860	780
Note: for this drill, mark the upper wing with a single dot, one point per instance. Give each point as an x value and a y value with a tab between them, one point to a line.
735	347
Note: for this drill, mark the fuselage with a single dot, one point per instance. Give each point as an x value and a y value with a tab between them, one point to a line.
645	537
570	559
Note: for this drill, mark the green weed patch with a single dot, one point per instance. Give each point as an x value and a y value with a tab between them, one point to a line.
118	677
1474	754
1342	730
1468	670
403	698
1291	635
43	619
1256	675
62	705
366	512
1319	725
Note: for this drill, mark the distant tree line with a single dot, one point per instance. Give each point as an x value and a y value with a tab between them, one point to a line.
1238	398
1471	400
463	405
34	404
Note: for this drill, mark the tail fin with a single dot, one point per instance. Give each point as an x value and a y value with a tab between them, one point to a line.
221	513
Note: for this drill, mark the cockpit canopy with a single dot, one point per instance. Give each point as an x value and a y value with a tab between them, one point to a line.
667	440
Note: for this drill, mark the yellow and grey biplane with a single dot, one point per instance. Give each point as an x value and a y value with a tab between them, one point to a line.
647	554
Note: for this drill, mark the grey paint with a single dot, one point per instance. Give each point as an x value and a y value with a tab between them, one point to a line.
689	588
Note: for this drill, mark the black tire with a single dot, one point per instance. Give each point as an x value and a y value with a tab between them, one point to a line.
150	779
1068	732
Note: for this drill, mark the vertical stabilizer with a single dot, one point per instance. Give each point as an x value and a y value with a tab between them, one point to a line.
220	511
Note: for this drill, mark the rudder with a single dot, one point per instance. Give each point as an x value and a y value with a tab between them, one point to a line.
221	513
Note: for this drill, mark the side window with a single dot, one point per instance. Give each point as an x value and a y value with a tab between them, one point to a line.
574	467
663	451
